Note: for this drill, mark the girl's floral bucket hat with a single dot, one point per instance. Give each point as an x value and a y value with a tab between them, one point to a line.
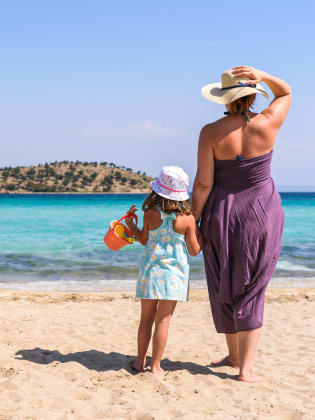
172	183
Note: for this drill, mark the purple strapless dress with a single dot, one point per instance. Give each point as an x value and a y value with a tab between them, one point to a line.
242	225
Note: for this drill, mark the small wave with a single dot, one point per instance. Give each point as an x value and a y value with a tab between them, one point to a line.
289	266
302	251
69	285
90	286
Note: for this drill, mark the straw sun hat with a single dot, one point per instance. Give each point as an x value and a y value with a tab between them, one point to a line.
230	89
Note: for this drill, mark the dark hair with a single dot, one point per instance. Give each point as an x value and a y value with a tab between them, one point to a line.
154	200
243	104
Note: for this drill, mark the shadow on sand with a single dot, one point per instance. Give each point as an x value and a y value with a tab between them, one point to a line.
102	362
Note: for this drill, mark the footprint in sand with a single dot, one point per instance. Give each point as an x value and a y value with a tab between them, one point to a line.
145	416
35	403
15	397
267	390
302	379
116	393
8	372
8	386
237	402
55	405
302	348
82	396
70	376
117	397
227	391
97	378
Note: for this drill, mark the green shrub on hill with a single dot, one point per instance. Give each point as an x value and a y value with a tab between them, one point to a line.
70	176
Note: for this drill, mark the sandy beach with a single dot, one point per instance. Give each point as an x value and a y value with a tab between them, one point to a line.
66	356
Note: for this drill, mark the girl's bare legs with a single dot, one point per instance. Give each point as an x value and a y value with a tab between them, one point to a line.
248	341
162	321
148	312
232	359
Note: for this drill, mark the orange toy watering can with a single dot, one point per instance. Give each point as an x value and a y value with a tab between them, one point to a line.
118	235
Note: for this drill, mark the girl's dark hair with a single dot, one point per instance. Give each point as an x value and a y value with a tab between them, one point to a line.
154	200
243	104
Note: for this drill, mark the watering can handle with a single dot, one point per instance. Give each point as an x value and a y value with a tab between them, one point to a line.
124	217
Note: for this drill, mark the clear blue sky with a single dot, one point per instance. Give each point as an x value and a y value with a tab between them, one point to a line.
120	81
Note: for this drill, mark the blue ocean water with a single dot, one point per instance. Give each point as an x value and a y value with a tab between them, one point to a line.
55	242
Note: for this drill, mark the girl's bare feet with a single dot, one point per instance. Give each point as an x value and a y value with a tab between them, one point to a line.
226	361
157	370
135	365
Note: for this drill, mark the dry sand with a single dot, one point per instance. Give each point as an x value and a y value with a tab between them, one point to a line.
66	356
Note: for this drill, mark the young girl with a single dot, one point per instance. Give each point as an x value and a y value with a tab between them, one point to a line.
169	232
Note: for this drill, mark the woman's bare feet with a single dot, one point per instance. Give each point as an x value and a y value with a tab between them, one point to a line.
248	341
249	377
226	361
138	367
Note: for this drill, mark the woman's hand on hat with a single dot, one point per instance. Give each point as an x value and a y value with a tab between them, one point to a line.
254	75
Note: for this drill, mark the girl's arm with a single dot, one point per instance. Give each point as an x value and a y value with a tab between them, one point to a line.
204	178
193	237
142	235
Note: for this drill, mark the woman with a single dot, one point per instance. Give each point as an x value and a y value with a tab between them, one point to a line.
242	217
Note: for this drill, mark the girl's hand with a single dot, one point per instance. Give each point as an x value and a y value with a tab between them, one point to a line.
199	235
130	212
253	74
193	237
140	235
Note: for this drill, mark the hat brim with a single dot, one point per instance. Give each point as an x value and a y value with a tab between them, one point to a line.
165	193
214	93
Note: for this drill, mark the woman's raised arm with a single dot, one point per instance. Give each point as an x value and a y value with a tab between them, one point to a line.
277	111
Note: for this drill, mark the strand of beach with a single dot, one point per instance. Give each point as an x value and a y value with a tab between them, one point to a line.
66	356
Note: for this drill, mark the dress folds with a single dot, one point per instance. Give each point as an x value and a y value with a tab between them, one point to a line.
242	224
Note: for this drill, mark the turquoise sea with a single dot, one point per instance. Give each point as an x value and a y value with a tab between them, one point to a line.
55	242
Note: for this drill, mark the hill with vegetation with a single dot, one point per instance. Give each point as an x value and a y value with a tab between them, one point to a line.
73	177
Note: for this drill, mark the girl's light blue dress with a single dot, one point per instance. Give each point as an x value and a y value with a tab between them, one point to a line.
164	272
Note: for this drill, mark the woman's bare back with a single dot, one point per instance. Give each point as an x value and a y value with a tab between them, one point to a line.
233	135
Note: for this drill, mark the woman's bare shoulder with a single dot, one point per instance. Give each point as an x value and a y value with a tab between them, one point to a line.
213	125
210	132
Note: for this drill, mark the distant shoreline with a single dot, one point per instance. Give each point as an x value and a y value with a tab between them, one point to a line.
73	177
